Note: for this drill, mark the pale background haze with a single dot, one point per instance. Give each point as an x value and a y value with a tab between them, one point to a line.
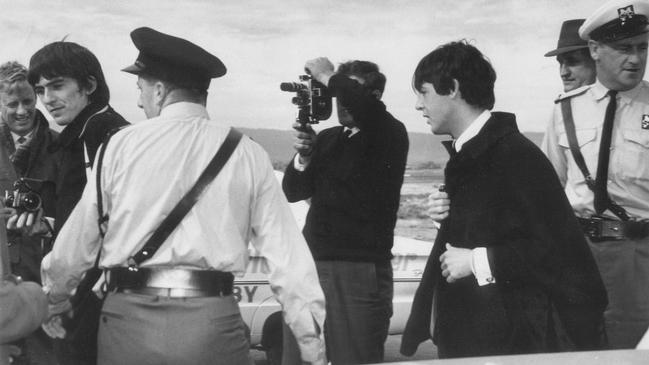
263	43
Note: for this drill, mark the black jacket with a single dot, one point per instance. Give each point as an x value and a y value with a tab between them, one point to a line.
506	196
354	183
91	126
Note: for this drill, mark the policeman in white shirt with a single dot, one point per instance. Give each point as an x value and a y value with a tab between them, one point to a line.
174	305
598	142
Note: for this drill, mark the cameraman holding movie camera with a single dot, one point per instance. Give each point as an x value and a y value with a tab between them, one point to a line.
353	175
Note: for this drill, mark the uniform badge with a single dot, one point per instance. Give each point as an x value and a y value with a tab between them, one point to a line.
625	13
645	121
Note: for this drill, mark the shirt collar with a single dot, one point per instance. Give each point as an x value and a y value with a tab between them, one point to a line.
472	130
184	109
353	130
625	97
27	136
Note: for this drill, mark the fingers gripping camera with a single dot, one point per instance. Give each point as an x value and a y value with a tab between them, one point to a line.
23	197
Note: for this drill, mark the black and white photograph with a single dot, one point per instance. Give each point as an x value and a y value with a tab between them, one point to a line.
324	182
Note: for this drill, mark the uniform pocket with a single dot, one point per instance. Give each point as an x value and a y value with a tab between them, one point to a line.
633	155
584	137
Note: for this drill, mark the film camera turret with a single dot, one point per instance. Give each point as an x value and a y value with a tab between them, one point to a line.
23	197
312	99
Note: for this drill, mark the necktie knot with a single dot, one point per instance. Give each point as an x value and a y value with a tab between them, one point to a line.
21	139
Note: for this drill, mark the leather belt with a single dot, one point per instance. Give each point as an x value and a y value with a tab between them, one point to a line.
168	282
604	229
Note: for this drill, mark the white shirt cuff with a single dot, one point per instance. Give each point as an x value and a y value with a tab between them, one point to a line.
480	267
299	166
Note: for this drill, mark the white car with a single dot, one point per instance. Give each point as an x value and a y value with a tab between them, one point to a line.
262	313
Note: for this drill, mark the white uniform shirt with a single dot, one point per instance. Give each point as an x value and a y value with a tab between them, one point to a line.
628	173
147	169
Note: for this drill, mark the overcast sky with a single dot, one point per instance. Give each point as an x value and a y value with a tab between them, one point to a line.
263	43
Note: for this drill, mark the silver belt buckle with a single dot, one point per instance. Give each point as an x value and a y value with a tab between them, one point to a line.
613	229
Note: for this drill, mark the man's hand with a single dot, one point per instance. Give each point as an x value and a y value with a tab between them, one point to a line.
456	263
304	141
320	69
438	206
53	325
31	223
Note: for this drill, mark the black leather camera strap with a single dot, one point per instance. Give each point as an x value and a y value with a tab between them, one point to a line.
187	202
571	134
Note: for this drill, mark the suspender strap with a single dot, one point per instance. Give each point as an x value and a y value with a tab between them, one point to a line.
103	217
187	202
569	123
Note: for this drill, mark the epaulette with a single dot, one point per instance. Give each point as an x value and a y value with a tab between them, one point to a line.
572	93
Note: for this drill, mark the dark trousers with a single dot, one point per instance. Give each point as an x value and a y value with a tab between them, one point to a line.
142	329
358	299
624	266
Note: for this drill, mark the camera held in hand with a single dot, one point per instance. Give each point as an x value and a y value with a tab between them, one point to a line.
312	98
23	197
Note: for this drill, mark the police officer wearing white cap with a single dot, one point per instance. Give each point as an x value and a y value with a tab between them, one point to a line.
598	141
172	302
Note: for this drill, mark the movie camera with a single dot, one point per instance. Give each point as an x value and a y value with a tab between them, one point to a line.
312	98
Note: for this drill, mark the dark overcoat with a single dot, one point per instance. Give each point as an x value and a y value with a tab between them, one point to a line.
25	251
548	294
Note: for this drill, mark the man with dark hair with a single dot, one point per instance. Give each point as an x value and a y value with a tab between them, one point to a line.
70	83
170	285
598	142
576	67
510	271
353	174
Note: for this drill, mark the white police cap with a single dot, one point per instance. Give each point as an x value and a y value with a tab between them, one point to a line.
615	20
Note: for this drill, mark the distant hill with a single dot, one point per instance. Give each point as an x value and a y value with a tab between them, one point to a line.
424	147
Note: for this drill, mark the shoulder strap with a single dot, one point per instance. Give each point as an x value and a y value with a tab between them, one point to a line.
187	202
569	123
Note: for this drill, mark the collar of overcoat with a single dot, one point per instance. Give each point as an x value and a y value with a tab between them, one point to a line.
499	125
75	129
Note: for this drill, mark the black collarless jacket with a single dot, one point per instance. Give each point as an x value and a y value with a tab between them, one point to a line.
354	183
505	196
91	126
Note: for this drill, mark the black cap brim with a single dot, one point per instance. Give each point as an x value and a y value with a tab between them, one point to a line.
564	50
133	69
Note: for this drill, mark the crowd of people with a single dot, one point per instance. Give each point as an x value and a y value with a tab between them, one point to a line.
131	256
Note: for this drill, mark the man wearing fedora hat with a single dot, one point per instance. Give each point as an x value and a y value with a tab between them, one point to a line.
170	266
576	67
598	141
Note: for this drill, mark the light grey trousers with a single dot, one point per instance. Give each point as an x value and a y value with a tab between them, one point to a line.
143	329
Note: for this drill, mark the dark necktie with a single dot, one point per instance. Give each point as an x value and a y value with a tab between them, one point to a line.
21	140
601	180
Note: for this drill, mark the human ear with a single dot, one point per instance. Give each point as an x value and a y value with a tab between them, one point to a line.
593	47
91	85
456	89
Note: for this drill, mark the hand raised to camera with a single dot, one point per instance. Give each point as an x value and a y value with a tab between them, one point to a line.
304	141
320	69
31	223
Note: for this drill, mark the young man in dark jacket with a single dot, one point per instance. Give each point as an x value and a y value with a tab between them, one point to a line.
70	83
353	174
510	271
